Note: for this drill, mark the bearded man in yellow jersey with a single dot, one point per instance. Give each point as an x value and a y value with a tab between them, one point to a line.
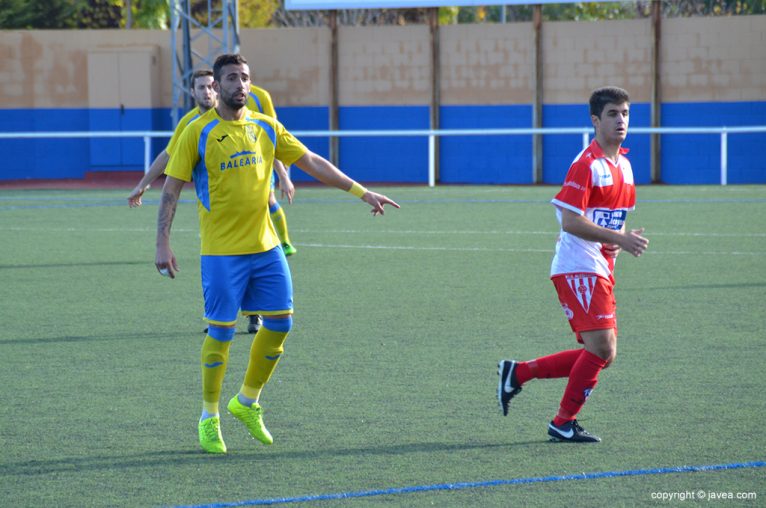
229	153
205	98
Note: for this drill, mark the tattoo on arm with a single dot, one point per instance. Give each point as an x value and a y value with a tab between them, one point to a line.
168	204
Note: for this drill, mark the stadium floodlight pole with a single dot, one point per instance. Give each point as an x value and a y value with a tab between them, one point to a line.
185	78
231	26
221	30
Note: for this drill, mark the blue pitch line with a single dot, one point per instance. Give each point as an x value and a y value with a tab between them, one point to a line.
476	485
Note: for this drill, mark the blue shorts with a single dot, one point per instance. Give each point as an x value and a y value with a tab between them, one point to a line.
253	283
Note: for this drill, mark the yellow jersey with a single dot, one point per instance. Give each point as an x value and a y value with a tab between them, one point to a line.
231	163
185	120
259	100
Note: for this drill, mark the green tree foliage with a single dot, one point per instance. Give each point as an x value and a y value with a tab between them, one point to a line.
22	14
448	15
592	11
49	14
257	13
712	7
58	14
99	14
148	13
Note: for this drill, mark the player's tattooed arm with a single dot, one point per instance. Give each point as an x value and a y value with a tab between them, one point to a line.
165	260
168	205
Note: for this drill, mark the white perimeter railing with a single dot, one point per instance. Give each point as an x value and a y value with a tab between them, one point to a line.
584	132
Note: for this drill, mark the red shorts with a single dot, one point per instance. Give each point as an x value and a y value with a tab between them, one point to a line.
587	300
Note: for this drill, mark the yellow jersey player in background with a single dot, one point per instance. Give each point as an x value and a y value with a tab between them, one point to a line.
259	100
205	98
229	153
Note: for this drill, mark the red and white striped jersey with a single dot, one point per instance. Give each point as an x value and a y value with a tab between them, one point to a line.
604	193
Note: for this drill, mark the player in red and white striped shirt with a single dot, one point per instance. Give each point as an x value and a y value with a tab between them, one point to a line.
591	207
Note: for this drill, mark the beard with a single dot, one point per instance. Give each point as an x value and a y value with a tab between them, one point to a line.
233	103
206	103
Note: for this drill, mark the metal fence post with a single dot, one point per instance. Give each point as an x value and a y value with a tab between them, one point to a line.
431	160
724	156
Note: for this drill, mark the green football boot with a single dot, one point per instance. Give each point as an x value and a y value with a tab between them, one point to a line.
210	438
252	417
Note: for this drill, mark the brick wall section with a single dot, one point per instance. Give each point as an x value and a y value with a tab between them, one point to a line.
714	59
387	65
579	57
491	64
293	64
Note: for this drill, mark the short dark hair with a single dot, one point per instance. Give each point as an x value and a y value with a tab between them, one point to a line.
226	59
606	95
199	74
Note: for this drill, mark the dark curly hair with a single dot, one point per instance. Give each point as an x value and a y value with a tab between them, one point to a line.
226	59
606	95
200	73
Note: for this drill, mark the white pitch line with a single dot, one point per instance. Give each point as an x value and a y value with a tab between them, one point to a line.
485	249
384	231
409	247
417	248
96	230
507	232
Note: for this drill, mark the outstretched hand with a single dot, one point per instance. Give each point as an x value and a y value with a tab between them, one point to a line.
634	243
134	199
377	202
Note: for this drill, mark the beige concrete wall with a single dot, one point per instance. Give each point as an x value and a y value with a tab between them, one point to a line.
386	65
491	64
48	68
581	56
714	59
703	59
293	64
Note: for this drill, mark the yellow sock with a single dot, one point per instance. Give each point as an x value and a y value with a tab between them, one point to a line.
279	219
265	352
215	355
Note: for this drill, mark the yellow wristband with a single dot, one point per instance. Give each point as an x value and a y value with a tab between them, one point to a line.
357	190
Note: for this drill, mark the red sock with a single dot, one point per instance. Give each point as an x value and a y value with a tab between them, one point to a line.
582	380
547	367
